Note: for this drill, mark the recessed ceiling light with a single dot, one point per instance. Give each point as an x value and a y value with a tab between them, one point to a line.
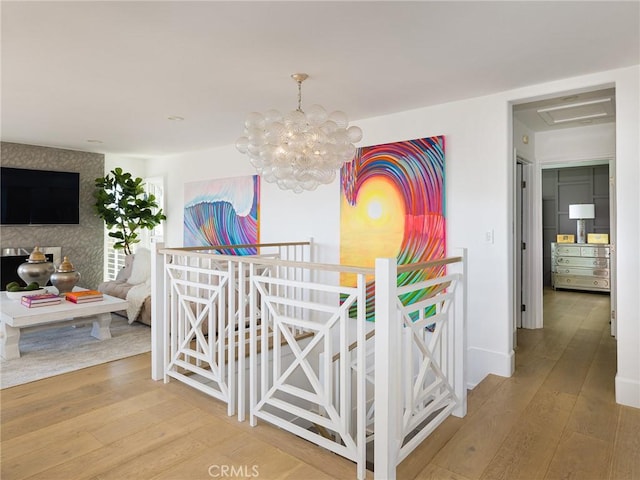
175	118
578	111
582	119
94	141
574	105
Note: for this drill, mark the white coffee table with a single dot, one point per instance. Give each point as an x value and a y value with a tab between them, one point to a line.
15	316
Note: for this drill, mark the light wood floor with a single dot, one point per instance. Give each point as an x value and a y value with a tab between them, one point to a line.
554	419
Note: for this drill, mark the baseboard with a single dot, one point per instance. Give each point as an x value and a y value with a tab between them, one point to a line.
628	391
481	362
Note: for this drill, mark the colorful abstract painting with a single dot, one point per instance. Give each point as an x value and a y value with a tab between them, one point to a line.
393	205
222	212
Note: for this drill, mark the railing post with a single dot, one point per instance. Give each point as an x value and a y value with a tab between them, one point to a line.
157	312
460	332
242	339
253	346
361	377
231	336
388	415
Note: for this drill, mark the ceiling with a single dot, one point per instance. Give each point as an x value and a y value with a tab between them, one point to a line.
568	111
78	73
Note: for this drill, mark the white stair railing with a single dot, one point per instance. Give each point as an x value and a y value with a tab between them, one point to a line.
200	336
292	381
430	332
202	339
280	339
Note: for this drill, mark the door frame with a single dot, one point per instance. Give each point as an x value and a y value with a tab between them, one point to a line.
538	233
532	284
524	270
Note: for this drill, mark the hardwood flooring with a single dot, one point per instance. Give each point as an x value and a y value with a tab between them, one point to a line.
555	418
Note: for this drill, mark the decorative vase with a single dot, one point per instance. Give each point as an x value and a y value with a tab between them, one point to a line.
65	277
36	269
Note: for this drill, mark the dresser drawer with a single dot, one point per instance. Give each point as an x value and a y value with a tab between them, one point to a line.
580	266
569	250
577	281
584	271
582	262
582	250
594	251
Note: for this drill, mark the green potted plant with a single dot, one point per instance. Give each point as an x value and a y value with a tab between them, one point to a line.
125	207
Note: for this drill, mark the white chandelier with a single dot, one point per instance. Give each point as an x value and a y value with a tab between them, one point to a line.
299	151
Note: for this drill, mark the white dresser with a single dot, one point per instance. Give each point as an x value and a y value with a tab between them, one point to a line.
583	266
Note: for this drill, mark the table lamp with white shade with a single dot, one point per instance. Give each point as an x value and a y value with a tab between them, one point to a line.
581	212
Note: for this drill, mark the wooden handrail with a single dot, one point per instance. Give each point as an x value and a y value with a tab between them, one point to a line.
243	245
194	251
410	267
272	261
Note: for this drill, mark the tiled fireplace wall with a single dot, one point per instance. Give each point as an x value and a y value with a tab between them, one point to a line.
83	243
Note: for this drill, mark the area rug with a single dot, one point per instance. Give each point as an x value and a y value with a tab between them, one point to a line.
49	351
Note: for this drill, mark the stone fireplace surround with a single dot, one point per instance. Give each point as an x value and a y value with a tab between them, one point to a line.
83	243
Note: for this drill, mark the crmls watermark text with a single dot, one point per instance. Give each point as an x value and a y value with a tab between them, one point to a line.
233	471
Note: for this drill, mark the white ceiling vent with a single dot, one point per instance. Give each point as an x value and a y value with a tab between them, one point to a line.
584	112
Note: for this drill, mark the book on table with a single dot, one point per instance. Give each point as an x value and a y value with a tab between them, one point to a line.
84	296
40	300
85	300
41	304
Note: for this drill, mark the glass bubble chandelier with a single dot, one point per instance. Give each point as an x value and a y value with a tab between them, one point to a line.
299	150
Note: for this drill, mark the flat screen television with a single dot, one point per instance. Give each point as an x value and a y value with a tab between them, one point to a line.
39	197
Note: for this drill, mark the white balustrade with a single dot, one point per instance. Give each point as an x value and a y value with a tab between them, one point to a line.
276	337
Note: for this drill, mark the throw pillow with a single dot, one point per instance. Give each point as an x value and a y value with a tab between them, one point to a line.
141	269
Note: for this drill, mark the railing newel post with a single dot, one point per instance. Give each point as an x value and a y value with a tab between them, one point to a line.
361	377
229	352
460	333
158	325
387	371
253	348
242	361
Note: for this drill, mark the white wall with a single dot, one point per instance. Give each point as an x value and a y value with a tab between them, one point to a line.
627	236
576	144
520	132
135	166
477	188
477	134
284	216
478	199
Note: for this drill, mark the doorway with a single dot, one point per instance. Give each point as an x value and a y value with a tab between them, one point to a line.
570	130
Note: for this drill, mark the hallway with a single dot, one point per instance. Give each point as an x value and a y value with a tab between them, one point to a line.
556	418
